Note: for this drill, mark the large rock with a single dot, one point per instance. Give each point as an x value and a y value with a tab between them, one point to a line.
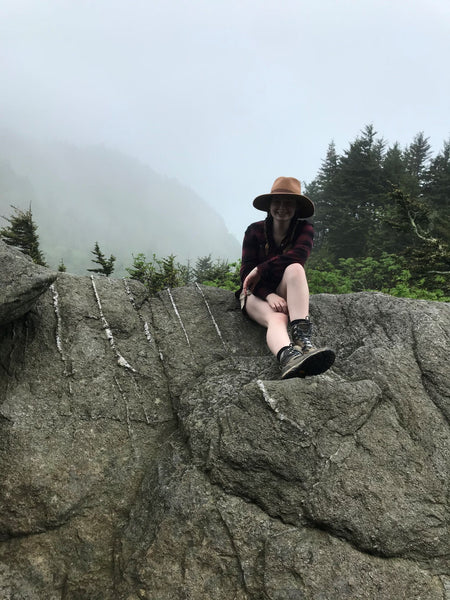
21	283
149	450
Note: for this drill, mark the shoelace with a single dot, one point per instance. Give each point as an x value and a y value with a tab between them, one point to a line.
302	337
307	345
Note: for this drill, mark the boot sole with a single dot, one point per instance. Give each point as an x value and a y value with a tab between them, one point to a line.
317	362
314	363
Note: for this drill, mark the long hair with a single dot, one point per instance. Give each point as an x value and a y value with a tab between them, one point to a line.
288	240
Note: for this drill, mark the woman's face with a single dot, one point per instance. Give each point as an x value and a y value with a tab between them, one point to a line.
282	209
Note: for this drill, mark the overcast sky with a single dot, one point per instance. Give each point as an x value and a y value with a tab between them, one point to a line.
226	95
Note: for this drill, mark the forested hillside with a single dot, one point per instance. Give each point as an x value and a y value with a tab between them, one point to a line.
83	195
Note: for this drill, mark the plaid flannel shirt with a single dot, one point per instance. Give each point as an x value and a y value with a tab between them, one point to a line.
259	249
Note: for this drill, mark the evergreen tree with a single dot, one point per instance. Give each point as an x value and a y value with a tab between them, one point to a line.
436	190
22	233
208	270
394	167
169	273
186	273
322	193
106	264
428	255
142	270
417	155
356	192
388	206
394	175
157	274
203	268
329	167
352	194
218	273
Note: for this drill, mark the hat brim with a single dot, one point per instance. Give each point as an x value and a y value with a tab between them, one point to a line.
305	207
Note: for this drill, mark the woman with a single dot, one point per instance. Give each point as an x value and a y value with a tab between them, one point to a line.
274	290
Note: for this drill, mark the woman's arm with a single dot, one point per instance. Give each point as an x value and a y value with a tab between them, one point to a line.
251	257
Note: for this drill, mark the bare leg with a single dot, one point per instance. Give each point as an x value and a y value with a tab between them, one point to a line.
294	288
276	322
302	359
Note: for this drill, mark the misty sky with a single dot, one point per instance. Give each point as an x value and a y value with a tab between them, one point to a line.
226	95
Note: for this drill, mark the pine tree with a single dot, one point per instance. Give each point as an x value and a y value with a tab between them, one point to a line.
417	155
394	167
62	267
428	254
321	191
22	233
368	193
186	273
357	193
106	264
395	175
208	270
203	268
436	191
170	274
157	274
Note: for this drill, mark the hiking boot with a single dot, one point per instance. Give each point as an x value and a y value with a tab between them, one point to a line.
314	360
290	362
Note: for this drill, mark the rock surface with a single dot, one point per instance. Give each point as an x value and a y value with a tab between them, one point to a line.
21	283
148	450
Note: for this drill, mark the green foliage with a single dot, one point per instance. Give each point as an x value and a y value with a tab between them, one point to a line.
22	233
436	190
219	273
161	273
388	274
170	273
426	253
355	212
158	273
416	157
62	267
206	269
186	273
229	279
327	279
348	192
106	264
373	202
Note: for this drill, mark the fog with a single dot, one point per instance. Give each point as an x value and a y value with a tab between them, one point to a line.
87	194
225	96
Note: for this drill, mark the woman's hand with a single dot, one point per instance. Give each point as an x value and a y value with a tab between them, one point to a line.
277	303
251	280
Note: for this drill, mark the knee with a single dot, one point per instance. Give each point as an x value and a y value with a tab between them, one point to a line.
278	319
295	271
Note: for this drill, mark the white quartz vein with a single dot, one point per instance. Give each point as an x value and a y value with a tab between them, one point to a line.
120	359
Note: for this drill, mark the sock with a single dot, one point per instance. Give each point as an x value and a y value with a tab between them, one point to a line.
295	321
280	352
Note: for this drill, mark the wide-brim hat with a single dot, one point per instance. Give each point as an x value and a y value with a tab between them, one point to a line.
286	187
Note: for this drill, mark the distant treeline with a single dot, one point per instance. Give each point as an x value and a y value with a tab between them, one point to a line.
382	223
